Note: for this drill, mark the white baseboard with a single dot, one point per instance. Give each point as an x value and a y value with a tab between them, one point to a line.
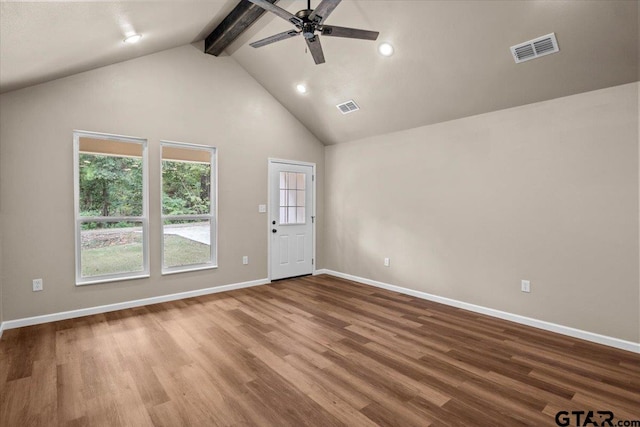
540	324
36	320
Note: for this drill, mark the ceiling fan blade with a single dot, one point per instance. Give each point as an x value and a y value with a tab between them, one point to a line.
316	49
278	11
274	38
351	33
324	9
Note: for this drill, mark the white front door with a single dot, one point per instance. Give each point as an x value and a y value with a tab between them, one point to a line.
291	217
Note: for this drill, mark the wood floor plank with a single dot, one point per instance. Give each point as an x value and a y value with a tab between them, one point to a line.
584	384
387	415
14	403
345	390
43	395
149	389
316	351
69	386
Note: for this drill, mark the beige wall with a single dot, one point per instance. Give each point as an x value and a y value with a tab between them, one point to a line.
179	95
466	209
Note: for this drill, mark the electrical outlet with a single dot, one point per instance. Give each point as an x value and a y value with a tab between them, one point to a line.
38	285
387	262
245	260
525	286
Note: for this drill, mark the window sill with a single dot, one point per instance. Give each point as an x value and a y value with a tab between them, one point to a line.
113	279
187	269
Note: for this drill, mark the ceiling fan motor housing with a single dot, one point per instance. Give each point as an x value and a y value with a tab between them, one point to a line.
304	15
308	26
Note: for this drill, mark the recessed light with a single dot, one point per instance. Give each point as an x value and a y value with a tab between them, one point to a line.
134	38
301	88
385	49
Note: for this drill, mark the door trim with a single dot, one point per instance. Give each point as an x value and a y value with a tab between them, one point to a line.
271	161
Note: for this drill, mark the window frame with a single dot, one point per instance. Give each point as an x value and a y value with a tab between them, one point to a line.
79	220
212	216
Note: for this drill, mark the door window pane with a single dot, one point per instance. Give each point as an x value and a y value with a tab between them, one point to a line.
292	195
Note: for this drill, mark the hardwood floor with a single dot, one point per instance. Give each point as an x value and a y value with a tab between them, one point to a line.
316	351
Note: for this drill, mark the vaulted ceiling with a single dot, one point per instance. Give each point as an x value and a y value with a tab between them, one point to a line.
451	58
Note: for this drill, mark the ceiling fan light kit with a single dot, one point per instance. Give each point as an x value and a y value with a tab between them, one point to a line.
310	23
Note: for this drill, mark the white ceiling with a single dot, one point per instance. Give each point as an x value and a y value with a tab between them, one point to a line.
451	58
41	41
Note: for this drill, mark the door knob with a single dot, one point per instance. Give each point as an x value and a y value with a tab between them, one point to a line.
274	230
273	222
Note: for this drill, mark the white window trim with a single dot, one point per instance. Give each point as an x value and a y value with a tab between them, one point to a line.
212	216
144	219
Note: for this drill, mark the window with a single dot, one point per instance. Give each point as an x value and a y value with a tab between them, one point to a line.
292	188
188	207
111	207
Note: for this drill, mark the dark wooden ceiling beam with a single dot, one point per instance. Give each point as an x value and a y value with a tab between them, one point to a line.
234	24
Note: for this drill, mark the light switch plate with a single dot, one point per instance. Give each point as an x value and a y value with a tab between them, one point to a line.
262	208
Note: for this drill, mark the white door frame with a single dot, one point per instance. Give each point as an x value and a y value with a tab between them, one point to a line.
313	210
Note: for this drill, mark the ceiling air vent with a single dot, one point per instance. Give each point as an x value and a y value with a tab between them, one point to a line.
348	107
535	48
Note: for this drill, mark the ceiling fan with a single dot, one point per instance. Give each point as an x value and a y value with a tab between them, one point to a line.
310	23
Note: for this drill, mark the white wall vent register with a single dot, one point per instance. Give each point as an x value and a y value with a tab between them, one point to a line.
348	107
535	48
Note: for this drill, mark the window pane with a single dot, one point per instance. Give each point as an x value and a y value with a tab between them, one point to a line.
111	248
186	187
292	196
110	185
187	242
291	180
